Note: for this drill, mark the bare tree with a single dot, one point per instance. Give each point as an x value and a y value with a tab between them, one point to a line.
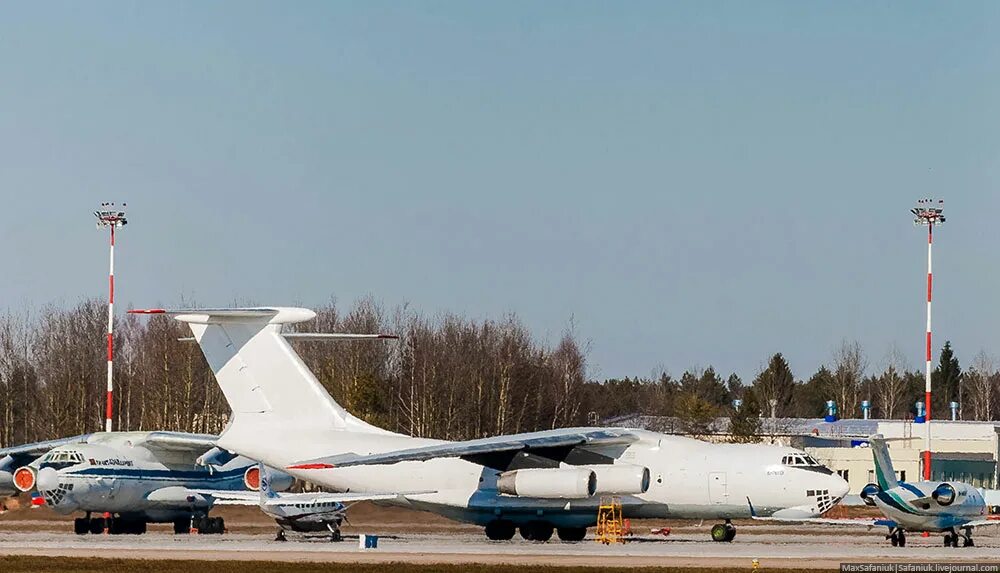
982	382
890	385
849	369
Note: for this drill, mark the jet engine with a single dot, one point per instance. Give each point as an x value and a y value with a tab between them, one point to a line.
7	477
7	484
944	494
24	478
869	492
542	482
621	479
280	481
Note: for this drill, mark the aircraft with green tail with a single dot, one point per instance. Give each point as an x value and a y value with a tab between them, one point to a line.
952	508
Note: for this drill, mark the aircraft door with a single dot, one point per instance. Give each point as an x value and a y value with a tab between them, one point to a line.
718	492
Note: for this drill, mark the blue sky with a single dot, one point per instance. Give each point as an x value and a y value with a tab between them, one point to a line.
693	183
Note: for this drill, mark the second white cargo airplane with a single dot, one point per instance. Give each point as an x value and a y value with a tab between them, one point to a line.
535	482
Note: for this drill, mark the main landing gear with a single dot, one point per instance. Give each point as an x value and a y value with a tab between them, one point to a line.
724	531
536	531
113	525
897	537
504	530
500	530
951	539
209	525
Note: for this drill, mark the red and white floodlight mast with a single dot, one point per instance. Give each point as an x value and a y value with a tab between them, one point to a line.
928	212
111	217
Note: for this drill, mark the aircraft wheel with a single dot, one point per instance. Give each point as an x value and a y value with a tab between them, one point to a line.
117	526
954	540
572	533
902	539
97	525
968	542
81	525
280	536
542	531
894	540
719	532
182	526
137	528
500	530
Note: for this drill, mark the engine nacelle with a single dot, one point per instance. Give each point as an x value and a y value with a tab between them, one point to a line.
280	481
24	478
570	483
7	484
621	479
7	465
869	493
944	494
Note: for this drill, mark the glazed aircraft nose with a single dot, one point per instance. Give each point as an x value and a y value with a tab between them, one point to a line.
47	480
838	486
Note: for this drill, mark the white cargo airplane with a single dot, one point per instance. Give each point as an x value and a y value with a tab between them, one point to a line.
298	512
925	506
534	482
135	477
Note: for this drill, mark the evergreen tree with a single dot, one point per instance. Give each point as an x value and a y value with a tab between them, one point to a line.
745	424
810	397
775	383
708	386
946	380
695	414
735	386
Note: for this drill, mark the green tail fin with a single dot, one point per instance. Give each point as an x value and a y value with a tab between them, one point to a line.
885	475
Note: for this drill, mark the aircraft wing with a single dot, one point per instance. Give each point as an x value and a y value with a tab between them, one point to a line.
292	498
861	522
179	442
866	522
39	448
496	452
244	497
983	522
227	497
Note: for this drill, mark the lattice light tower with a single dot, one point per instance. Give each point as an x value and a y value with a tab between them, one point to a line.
111	217
928	213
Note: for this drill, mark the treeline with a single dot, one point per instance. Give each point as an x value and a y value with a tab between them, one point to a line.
447	377
892	390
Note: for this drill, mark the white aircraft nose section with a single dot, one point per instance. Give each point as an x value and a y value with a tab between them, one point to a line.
839	487
47	480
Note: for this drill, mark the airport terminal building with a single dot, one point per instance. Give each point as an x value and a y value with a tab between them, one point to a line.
962	450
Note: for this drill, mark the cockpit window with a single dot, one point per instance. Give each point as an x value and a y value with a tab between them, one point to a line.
61	459
799	460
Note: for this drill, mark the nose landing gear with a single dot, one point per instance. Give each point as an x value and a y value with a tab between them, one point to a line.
897	537
724	531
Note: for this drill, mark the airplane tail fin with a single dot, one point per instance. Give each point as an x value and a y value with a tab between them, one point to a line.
266	492
267	385
885	475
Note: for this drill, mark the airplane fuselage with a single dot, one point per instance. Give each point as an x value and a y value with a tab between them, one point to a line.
130	481
688	479
903	505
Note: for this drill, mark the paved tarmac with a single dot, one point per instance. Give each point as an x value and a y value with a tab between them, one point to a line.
772	546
